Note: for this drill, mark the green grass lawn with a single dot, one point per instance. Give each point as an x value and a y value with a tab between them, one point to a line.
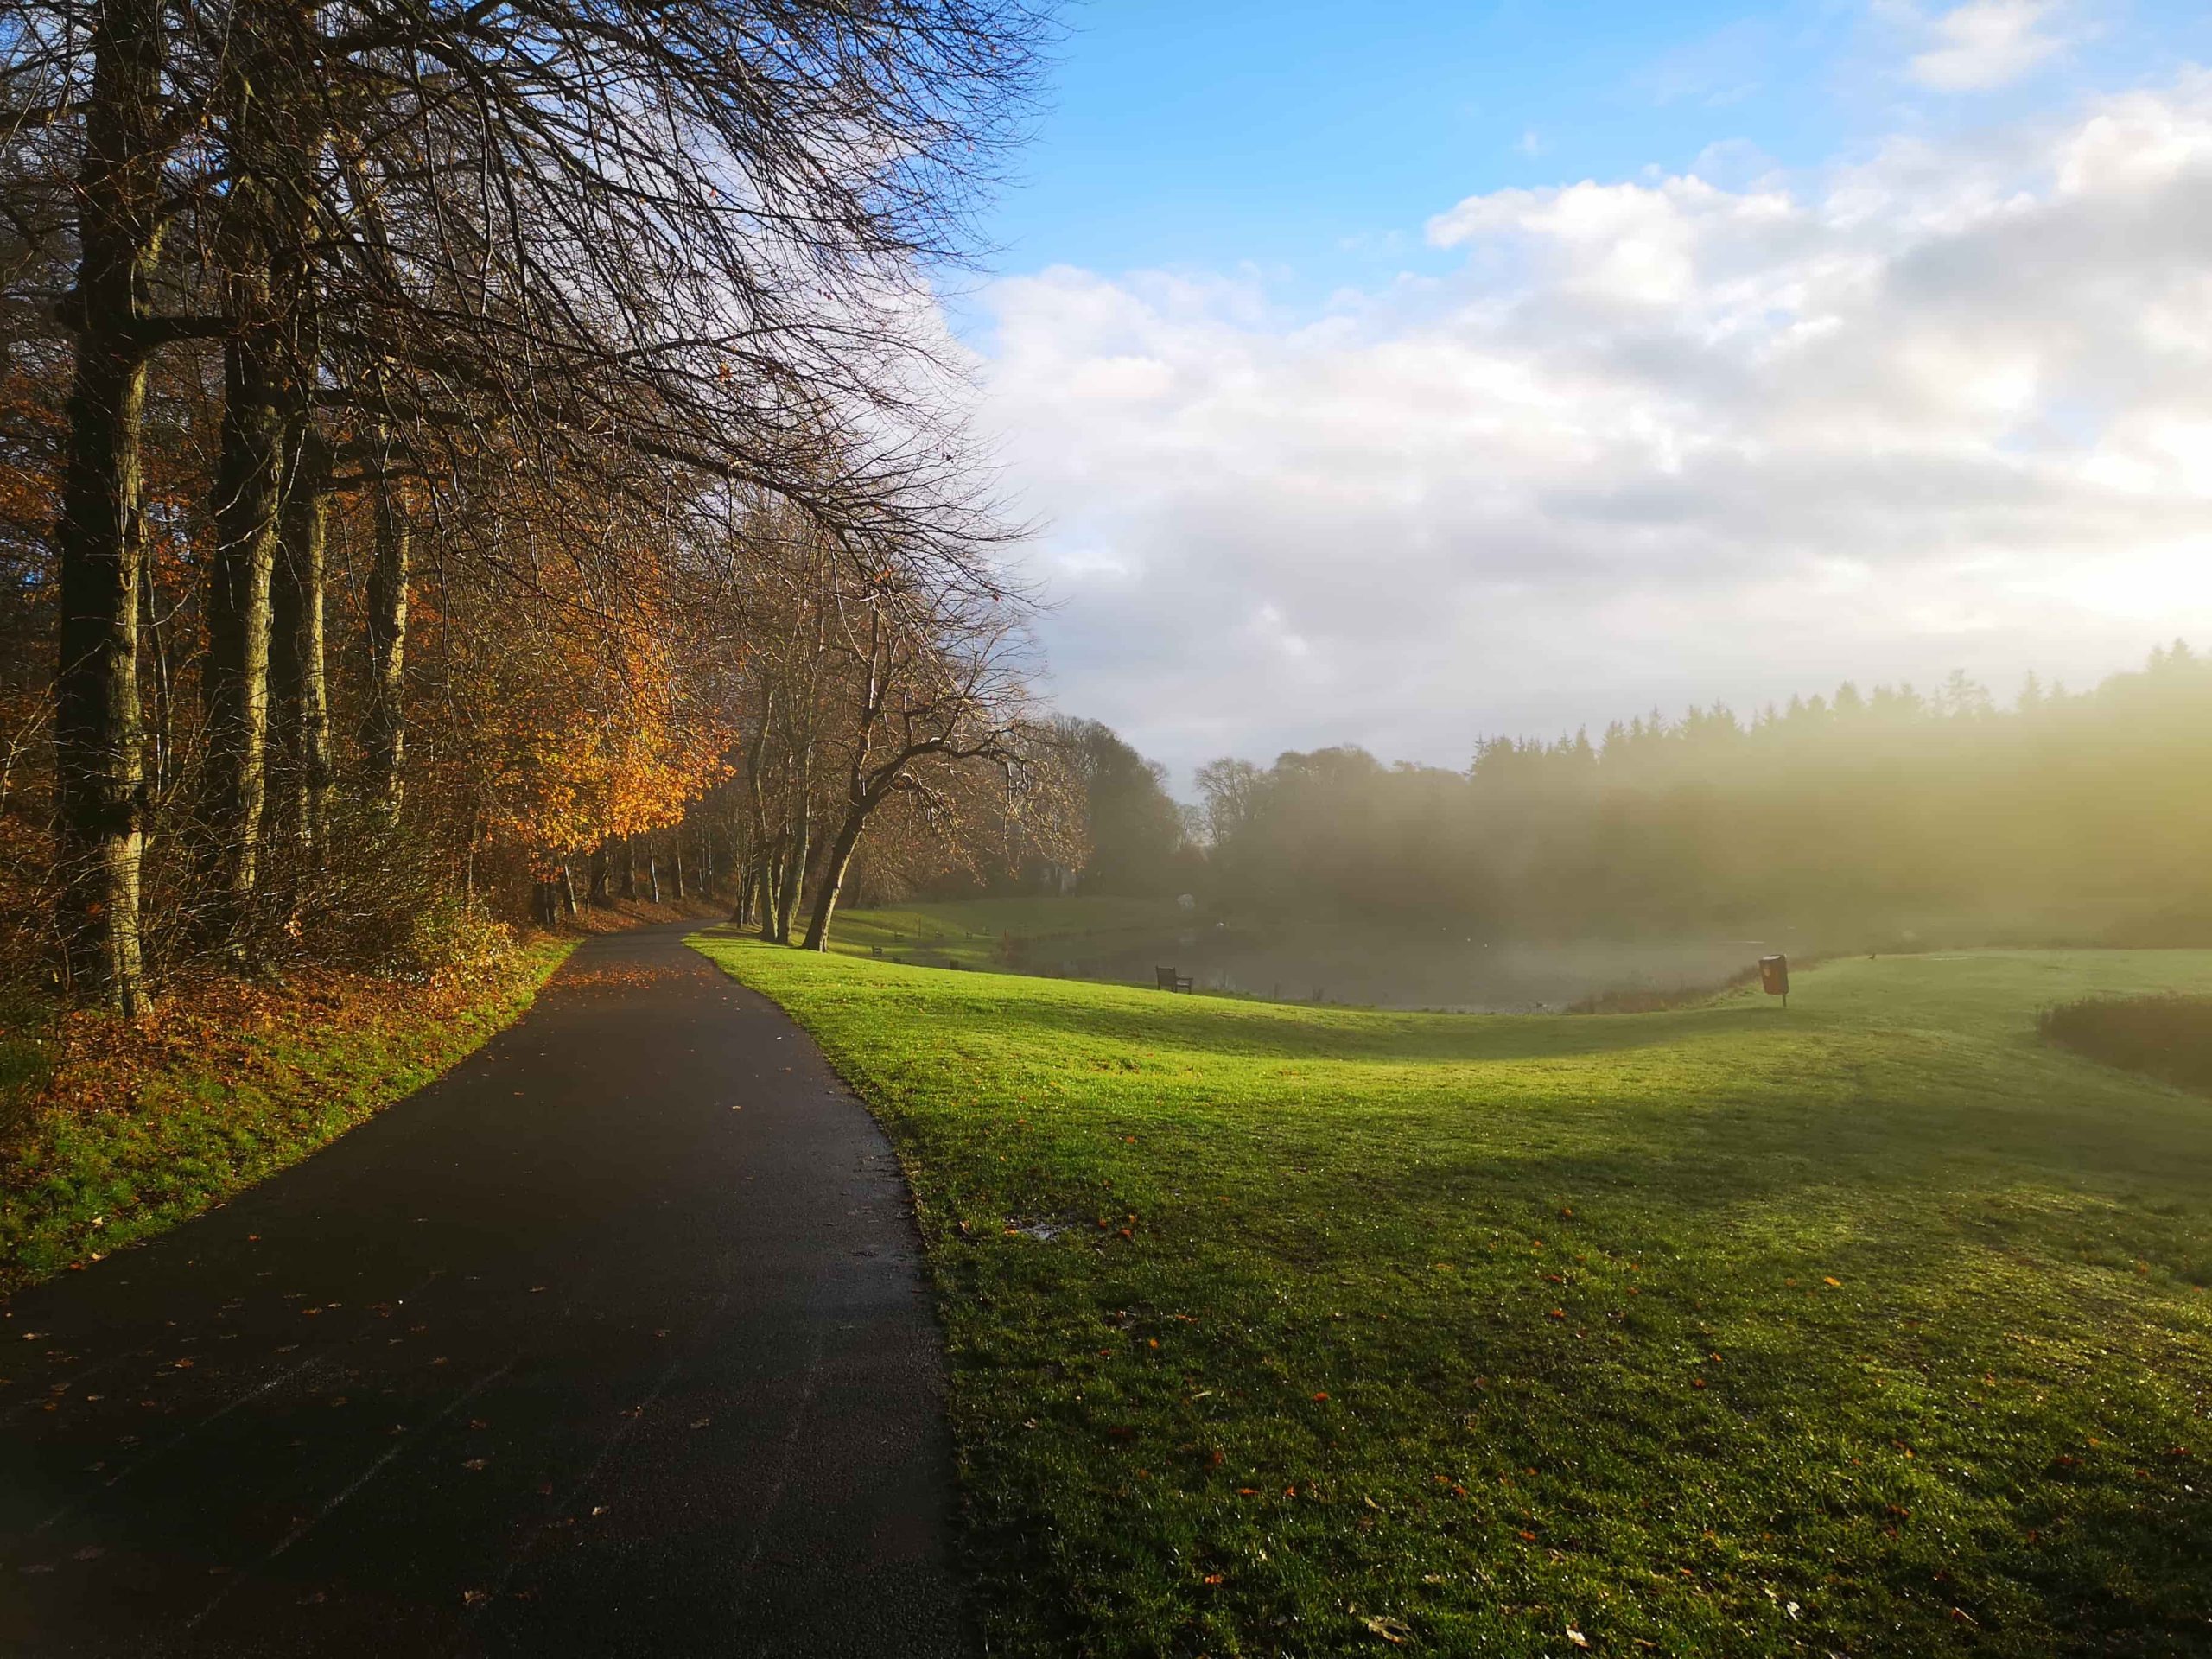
977	932
1877	1326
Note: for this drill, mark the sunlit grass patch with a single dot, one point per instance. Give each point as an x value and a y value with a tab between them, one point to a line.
1873	1327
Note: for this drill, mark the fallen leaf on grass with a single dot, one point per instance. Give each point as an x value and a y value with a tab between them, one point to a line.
1395	1632
1577	1638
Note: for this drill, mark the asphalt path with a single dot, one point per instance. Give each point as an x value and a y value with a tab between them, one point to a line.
612	1341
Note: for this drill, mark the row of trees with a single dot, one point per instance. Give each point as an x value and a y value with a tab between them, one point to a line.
1846	817
442	437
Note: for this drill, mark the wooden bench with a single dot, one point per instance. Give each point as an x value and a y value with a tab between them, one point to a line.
1169	980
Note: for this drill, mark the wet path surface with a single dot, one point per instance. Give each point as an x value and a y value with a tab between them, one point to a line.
612	1341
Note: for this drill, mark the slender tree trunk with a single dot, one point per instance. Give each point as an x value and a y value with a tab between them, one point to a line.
629	867
599	863
676	860
234	679
159	728
300	745
833	874
384	730
568	888
267	288
794	877
652	874
771	886
98	773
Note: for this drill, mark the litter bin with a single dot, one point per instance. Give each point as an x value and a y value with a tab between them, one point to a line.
1774	977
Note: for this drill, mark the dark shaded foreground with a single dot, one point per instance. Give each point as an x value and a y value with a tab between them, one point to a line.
612	1341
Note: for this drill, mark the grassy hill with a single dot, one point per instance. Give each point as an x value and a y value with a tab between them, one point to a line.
1877	1326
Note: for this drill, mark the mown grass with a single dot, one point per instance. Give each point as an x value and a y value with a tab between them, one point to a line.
127	1127
1877	1326
2167	1036
987	932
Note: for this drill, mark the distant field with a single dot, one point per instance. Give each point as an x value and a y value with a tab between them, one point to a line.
1879	1327
977	932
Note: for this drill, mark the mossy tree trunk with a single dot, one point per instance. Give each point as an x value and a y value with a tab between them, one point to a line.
299	694
99	777
274	138
384	730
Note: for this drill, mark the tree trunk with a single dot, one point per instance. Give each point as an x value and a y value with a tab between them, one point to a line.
652	874
298	694
384	728
676	859
274	136
629	867
158	725
99	775
794	877
234	678
833	875
568	888
598	870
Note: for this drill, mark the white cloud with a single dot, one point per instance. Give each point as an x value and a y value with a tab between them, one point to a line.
1985	44
1651	442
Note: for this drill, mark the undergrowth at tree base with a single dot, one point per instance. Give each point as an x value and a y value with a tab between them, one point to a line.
112	1130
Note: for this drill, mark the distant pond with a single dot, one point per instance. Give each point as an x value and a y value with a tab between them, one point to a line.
1386	970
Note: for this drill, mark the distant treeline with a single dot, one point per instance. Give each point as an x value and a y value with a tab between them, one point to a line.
1851	819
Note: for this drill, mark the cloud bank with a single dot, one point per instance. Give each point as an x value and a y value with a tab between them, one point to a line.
1648	442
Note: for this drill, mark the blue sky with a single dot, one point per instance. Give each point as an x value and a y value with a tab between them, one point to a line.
1593	335
1313	141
